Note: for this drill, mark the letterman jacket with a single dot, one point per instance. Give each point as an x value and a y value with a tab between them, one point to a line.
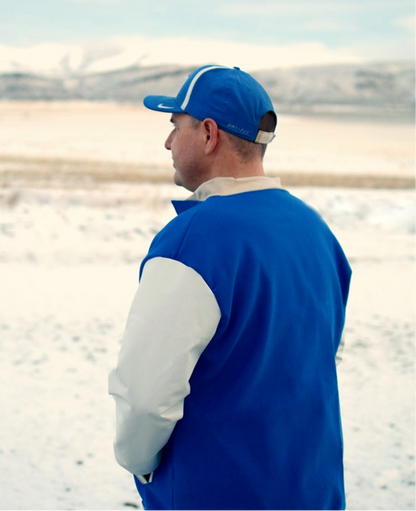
226	388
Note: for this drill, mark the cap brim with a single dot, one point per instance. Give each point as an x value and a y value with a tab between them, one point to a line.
162	104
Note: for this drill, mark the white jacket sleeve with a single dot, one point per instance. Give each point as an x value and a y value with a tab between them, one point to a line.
173	317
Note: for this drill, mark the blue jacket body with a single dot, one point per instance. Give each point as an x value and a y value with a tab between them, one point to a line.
261	427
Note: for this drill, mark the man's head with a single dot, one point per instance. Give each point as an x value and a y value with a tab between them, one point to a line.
224	99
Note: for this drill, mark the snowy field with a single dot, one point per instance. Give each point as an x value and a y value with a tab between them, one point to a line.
69	258
128	134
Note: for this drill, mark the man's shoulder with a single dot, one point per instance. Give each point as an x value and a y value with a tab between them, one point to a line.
195	223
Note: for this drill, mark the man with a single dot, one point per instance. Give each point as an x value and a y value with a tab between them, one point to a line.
226	388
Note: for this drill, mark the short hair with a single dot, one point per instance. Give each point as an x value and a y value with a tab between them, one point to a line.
245	149
249	150
195	123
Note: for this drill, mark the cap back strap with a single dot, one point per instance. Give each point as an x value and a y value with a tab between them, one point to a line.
264	137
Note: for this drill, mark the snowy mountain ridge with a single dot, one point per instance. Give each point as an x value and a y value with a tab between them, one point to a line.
369	87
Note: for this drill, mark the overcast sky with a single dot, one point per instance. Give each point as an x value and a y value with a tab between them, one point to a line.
183	30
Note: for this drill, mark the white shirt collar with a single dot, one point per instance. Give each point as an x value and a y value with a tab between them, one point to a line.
231	186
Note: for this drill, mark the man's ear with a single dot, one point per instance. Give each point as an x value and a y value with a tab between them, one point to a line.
211	135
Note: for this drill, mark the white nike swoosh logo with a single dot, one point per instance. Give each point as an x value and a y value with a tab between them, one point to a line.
161	105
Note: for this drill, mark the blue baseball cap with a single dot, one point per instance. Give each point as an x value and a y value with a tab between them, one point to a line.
229	96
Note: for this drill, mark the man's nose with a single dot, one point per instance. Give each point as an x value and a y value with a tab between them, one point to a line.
168	142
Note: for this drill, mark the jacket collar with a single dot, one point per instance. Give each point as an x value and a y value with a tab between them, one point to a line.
225	186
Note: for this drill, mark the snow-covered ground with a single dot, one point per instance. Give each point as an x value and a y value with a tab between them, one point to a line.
69	259
132	134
